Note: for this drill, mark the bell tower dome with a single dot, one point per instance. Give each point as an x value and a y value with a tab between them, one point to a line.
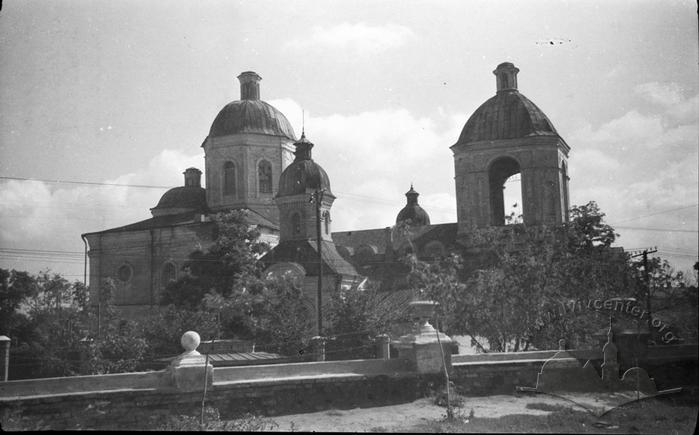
296	198
505	136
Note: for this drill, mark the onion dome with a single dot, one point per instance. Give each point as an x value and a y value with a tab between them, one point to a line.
507	115
188	198
250	114
303	175
412	213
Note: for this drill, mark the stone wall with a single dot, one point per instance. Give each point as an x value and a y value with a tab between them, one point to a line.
132	409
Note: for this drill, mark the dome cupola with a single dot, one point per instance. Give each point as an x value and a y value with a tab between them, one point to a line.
412	213
303	175
507	115
250	114
188	198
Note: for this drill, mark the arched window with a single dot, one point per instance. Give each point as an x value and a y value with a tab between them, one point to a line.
296	223
229	187
264	175
505	192
326	221
168	274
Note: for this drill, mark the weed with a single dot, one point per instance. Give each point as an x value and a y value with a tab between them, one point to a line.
245	423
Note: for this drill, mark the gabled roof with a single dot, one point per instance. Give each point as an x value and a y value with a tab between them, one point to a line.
188	218
155	222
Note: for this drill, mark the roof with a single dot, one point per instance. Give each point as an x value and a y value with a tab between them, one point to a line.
507	115
305	253
156	222
445	233
191	197
251	116
413	214
376	237
187	218
303	174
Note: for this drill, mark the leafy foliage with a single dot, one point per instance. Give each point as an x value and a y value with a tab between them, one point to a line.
530	272
223	267
356	315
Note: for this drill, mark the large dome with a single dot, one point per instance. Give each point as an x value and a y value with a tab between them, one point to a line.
303	175
250	114
507	115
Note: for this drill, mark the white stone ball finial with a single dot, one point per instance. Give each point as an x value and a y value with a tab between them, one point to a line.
190	341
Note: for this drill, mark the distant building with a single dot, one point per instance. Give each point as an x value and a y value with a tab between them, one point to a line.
254	162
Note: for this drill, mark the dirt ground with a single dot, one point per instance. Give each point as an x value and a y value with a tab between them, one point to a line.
422	414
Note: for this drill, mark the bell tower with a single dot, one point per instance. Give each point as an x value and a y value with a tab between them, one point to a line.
509	135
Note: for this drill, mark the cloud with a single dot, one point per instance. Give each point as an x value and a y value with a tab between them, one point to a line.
46	216
373	157
664	94
642	163
360	38
670	96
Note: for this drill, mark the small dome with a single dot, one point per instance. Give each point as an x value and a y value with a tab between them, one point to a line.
412	213
303	175
507	115
250	114
181	199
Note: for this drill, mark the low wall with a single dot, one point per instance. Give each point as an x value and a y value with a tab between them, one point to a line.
138	400
366	367
499	373
80	384
134	409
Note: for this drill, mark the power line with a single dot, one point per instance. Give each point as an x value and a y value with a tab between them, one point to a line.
91	183
659	212
669	230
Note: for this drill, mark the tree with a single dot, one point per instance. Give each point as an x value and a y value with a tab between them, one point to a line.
223	267
15	288
528	272
356	315
673	300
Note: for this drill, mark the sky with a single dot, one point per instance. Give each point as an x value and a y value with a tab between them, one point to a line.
124	92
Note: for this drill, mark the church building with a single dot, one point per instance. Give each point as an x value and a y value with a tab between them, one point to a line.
254	162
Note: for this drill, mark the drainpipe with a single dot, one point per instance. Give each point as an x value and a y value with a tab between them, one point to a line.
82	236
152	254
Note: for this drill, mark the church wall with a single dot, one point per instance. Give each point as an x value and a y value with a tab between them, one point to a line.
145	252
246	150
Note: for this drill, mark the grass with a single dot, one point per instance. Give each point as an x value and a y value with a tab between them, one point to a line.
653	416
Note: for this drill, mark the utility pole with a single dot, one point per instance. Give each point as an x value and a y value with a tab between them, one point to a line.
317	199
646	278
